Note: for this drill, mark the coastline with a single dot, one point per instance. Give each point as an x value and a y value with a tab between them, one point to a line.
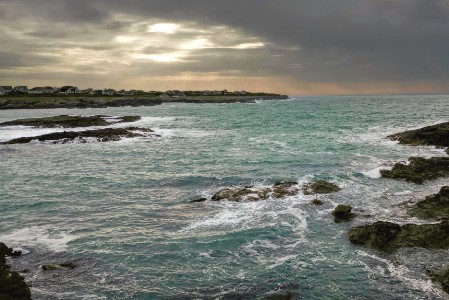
49	102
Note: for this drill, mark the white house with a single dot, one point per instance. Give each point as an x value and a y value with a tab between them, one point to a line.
41	90
69	90
108	92
21	89
2	91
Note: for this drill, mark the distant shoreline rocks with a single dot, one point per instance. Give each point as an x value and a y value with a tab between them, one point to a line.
66	121
77	101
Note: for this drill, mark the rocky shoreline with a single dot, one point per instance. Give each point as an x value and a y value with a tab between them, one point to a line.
389	237
80	136
12	285
74	101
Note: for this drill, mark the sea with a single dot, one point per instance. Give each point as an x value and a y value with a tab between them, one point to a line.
122	212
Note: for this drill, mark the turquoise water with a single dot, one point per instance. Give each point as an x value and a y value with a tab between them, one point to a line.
121	210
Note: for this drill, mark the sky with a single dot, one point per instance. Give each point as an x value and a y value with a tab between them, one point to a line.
296	47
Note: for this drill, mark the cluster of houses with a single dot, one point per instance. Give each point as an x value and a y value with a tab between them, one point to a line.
66	90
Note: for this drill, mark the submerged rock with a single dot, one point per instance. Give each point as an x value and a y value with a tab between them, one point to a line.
317	202
197	200
66	121
433	207
59	266
342	213
440	276
388	237
251	193
12	285
321	187
435	135
419	169
100	135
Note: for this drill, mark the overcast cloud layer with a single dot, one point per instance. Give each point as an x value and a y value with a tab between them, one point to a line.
292	46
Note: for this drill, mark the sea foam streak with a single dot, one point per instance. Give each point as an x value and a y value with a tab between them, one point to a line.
38	237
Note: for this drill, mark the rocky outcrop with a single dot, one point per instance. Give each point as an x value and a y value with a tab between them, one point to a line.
389	237
59	266
12	285
66	121
100	135
342	213
320	187
433	207
251	193
419	169
435	135
440	276
317	202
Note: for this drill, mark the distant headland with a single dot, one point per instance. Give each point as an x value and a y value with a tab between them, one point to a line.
20	97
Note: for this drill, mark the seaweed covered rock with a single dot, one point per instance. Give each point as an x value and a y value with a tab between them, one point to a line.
66	121
436	135
342	213
440	276
433	207
12	285
388	237
100	135
317	202
320	187
251	193
419	169
59	266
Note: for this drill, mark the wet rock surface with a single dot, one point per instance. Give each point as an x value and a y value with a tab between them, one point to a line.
59	266
343	213
440	276
100	135
436	135
388	237
12	285
419	169
66	121
321	187
433	207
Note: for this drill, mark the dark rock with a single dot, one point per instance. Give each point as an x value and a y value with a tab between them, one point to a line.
283	189
433	207
235	194
440	276
12	285
320	187
66	121
436	135
388	237
419	169
101	135
197	200
317	202
59	266
251	193
342	213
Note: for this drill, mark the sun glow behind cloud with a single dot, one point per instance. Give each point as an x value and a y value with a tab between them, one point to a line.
167	28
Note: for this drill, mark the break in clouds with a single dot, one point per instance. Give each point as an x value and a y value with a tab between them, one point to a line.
285	45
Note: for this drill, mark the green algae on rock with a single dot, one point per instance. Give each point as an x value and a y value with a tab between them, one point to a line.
321	187
435	135
388	237
251	193
100	135
342	213
12	285
433	207
419	169
66	121
440	276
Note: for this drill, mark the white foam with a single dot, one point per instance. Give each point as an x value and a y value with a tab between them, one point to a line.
38	237
400	272
373	173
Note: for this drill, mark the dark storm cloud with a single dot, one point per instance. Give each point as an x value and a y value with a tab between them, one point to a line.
389	40
314	40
